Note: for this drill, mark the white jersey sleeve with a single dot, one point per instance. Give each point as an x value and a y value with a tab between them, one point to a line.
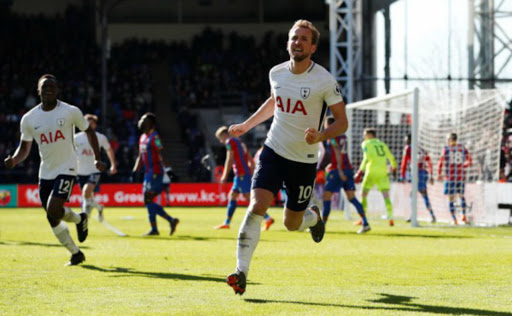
301	102
78	118
26	130
103	141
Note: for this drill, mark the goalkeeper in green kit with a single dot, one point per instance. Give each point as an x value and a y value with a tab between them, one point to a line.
374	167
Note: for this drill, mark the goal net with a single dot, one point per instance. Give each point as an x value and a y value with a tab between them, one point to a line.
477	118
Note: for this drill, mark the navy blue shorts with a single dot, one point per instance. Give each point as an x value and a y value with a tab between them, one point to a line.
242	184
334	183
60	187
153	183
93	178
454	187
298	178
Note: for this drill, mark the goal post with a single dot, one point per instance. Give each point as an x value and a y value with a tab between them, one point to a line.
429	116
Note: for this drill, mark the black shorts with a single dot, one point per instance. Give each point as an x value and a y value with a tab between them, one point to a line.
60	187
298	178
93	178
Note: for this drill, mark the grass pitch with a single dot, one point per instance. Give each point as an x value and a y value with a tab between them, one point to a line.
391	270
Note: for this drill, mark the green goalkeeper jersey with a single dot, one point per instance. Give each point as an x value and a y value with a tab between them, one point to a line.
375	156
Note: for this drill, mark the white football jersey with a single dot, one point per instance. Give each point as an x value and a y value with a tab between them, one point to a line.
86	154
301	103
53	132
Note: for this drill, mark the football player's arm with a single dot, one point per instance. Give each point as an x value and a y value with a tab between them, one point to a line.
112	158
227	166
138	162
337	128
265	112
250	162
390	157
429	168
403	166
440	167
93	141
20	154
337	153
362	167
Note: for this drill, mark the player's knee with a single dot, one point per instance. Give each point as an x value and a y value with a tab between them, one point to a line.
291	224
326	196
55	211
53	222
257	207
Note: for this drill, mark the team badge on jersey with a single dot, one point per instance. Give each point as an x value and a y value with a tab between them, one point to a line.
337	89
304	92
60	121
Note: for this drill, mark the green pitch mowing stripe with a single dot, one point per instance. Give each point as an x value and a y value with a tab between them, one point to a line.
389	271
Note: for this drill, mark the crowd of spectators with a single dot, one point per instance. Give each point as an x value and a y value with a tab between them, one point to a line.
65	46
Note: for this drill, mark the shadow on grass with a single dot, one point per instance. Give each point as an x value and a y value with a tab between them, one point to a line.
404	302
372	233
30	243
182	237
160	275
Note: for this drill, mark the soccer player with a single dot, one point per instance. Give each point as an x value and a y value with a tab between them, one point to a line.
88	175
151	157
51	124
239	157
301	90
424	172
455	157
341	175
374	167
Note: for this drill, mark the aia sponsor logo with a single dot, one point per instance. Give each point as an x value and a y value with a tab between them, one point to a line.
289	108
51	137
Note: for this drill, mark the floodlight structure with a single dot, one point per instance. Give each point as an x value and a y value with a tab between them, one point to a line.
488	36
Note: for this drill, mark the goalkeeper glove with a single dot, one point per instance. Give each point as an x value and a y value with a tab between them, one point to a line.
170	173
359	175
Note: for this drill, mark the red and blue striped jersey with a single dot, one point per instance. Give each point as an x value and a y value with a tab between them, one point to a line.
150	145
341	142
240	155
424	161
455	159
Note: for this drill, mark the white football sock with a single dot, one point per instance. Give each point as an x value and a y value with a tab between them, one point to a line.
70	216
248	238
310	219
87	206
62	233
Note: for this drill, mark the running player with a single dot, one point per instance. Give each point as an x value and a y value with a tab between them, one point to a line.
424	172
239	157
301	90
341	175
51	124
88	175
455	157
151	157
374	167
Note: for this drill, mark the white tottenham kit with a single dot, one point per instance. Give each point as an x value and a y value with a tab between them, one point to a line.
299	105
53	132
86	154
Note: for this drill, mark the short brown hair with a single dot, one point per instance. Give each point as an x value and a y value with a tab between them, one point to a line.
370	130
91	117
315	38
221	130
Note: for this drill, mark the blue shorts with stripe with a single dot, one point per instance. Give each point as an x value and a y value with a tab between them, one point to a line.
153	183
242	184
454	187
333	182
